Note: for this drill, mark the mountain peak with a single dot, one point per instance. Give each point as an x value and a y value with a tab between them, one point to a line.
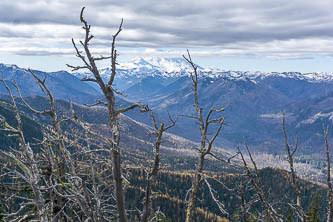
153	64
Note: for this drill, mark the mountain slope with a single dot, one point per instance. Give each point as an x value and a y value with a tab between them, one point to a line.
137	139
62	84
172	187
256	99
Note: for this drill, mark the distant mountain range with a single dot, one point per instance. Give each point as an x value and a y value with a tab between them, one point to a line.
257	99
166	68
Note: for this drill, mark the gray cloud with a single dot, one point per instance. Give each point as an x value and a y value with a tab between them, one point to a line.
270	29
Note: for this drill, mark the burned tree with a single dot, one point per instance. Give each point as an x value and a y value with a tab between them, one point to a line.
256	183
27	169
290	153
329	182
206	144
109	92
63	177
153	172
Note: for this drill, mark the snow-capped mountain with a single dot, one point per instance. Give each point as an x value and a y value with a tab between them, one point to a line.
177	67
144	67
168	67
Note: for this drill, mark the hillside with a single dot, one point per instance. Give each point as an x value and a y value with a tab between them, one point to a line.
136	138
171	188
62	84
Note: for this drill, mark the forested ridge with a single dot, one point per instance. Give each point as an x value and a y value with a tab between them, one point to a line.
172	186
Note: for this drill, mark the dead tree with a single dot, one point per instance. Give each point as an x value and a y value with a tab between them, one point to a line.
63	180
253	177
245	206
329	182
206	143
66	185
27	165
109	92
290	152
152	174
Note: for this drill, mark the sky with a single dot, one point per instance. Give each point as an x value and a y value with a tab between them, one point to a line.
256	35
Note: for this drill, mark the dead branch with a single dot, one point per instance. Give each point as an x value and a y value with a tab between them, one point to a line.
152	174
290	154
257	185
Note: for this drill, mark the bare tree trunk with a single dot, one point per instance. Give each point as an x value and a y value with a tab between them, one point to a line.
116	169
329	183
290	154
147	206
241	196
109	93
119	186
147	202
194	190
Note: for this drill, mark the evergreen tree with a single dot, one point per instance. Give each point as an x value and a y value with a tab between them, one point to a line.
290	216
235	217
313	211
2	219
252	218
160	217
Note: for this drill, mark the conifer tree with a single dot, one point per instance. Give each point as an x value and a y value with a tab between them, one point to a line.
290	216
313	212
2	219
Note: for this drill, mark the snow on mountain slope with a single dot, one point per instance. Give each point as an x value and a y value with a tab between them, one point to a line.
143	67
178	67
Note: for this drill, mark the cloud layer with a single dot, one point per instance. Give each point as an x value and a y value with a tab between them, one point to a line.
279	29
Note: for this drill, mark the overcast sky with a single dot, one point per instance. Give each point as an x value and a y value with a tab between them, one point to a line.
264	35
